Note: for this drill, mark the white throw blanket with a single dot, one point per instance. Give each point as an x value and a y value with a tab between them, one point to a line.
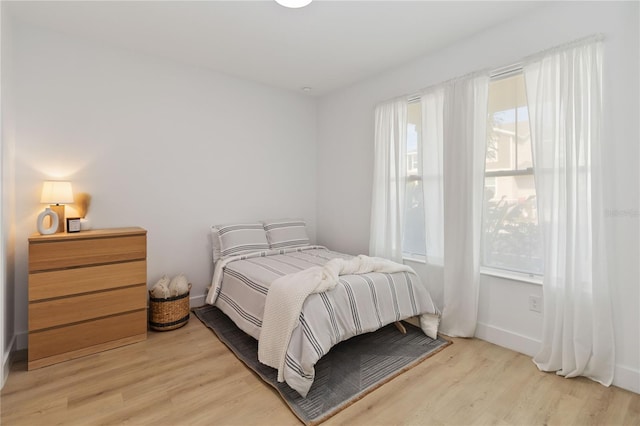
287	295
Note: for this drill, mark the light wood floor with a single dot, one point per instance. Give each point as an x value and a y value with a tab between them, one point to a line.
187	376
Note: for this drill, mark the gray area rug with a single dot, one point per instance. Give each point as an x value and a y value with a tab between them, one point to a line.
349	371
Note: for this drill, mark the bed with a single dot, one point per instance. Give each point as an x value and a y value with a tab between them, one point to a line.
246	267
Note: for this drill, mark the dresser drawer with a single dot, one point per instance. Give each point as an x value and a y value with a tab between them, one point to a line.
85	335
56	312
49	255
67	282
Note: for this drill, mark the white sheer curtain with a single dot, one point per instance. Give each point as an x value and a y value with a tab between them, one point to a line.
454	119
432	157
564	92
465	135
389	180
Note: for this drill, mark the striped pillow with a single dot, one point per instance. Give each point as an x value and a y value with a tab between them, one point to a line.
286	233
239	238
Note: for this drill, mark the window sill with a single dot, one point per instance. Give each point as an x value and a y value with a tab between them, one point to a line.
416	259
515	276
433	261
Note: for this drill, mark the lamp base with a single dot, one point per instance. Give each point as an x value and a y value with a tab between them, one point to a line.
59	209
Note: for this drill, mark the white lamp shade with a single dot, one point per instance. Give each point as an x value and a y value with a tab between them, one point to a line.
294	4
56	192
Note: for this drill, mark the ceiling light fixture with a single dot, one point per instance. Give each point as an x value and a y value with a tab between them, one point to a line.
293	4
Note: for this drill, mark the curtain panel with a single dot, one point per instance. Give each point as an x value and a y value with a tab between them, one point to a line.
564	90
465	137
389	180
432	158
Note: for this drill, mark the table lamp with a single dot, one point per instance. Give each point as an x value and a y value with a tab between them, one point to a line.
57	194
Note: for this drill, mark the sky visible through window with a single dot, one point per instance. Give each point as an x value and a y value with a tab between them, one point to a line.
412	138
509	115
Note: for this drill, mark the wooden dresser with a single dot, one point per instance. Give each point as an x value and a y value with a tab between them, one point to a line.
87	293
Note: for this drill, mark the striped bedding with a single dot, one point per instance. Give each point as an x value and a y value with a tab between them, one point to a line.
358	304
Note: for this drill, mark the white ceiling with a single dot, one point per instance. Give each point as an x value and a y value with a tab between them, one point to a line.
326	45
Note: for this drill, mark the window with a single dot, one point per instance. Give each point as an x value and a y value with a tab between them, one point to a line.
511	238
413	240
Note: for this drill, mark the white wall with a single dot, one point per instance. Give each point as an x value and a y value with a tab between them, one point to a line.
7	195
3	284
168	147
345	159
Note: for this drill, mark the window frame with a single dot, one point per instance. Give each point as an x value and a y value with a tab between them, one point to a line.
492	270
408	255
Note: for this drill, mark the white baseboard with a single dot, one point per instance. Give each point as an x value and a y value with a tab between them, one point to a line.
627	378
624	377
6	361
196	301
22	340
507	339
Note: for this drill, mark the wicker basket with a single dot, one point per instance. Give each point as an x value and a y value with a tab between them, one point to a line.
169	314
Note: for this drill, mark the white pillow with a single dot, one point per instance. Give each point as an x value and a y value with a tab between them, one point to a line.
238	238
285	233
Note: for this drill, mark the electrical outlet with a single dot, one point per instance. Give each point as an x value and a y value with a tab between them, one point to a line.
535	303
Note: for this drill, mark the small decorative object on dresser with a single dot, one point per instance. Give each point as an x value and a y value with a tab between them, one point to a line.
83	201
53	222
87	293
73	224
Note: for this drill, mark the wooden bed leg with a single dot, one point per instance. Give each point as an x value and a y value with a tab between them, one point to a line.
400	327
